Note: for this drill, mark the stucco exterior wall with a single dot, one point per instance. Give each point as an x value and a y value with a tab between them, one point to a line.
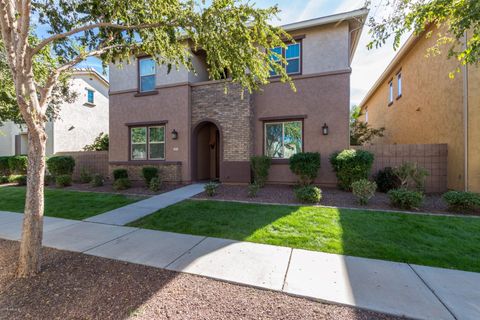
430	110
474	128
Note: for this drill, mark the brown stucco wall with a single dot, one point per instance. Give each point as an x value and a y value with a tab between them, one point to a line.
474	128
322	99
430	110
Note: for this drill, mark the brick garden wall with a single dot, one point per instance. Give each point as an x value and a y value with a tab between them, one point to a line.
95	162
432	157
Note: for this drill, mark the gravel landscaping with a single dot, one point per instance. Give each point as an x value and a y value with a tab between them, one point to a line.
77	286
283	194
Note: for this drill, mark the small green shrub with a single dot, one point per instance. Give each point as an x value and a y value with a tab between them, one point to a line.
308	194
364	190
305	165
405	199
4	166
411	176
97	180
48	180
122	184
61	165
462	201
211	189
155	184
350	166
18	165
3	179
387	180
63	181
149	173
260	166
120	174
19	179
253	189
85	176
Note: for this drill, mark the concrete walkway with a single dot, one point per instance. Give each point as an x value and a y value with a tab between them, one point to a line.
140	209
394	288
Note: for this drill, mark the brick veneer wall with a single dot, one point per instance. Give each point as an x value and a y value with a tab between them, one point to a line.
169	172
94	162
432	157
233	113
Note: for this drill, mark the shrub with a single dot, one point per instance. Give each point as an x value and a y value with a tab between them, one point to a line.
19	179
97	180
405	199
350	166
122	184
149	173
461	200
260	166
61	165
411	176
18	165
120	174
364	190
4	166
305	165
48	180
85	176
387	180
211	189
253	189
155	184
308	194
100	143
3	179
63	180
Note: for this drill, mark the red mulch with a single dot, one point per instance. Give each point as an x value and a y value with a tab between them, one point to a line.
283	194
78	286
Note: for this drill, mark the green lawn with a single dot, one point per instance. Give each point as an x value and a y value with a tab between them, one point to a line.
449	242
65	204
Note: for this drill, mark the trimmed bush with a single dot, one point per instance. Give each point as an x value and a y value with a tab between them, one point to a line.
120	174
63	181
4	166
211	189
364	190
308	194
97	180
405	199
61	165
18	165
260	166
48	180
19	179
122	184
350	166
155	184
3	179
149	173
462	201
387	180
85	176
305	165
253	189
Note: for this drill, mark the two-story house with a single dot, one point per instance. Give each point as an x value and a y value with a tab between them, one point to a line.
418	103
187	126
78	123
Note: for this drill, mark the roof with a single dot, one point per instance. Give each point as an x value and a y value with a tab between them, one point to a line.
91	72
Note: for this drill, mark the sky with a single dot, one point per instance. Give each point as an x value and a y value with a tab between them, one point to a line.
367	65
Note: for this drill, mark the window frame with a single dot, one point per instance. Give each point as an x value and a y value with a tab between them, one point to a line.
390	92
399	84
162	142
282	121
300	57
139	76
147	128
88	96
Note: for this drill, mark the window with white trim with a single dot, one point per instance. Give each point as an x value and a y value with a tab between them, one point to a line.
146	69
390	92
399	85
147	143
283	139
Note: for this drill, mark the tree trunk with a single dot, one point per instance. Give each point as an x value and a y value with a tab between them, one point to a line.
31	243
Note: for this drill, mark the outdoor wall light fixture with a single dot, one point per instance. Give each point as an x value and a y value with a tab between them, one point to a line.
325	129
174	134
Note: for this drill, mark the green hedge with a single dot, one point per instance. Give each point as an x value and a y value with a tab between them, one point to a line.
260	166
4	166
305	165
18	165
350	166
61	165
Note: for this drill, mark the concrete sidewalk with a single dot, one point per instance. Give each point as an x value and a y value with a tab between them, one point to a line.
140	209
393	288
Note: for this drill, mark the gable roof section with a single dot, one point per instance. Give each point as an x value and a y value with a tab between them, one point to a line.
90	72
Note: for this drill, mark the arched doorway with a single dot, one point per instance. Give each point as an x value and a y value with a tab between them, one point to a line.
206	151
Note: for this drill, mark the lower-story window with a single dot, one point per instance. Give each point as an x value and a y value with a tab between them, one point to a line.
283	139
147	143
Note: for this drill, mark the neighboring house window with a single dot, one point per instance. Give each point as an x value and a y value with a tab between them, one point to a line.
90	96
366	114
292	53
283	139
390	92
399	83
146	68
149	146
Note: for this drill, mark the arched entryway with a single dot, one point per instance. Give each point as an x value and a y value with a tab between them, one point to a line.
206	151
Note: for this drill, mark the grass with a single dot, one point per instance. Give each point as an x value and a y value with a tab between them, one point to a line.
448	242
65	204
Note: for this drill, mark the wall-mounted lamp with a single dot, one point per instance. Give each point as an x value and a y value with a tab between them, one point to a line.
174	134
325	129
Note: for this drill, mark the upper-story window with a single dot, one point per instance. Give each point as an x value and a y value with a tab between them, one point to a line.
390	92
399	84
90	96
366	114
292	54
146	68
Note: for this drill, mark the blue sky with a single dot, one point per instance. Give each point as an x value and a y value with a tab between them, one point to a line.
367	64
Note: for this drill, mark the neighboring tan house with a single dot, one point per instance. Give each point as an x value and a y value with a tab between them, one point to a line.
187	126
417	103
78	124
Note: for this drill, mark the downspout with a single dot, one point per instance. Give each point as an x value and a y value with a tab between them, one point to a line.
465	115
